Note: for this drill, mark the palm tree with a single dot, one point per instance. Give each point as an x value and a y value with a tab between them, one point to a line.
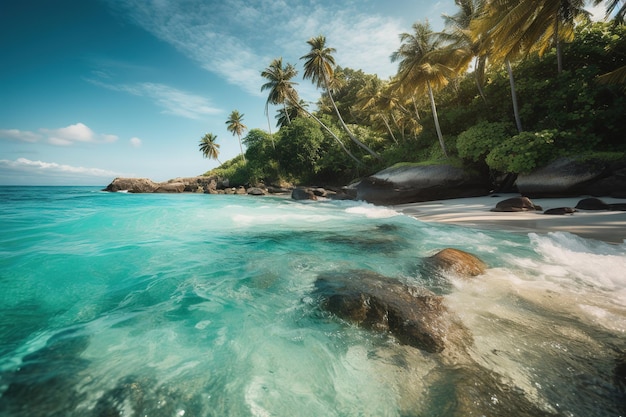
319	67
281	88
426	64
209	148
236	127
459	34
370	97
611	6
289	112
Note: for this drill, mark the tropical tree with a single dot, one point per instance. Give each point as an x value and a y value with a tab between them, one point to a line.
286	114
371	98
281	88
235	125
209	147
319	68
612	6
425	64
458	33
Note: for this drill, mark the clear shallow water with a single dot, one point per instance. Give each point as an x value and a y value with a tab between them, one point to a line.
203	305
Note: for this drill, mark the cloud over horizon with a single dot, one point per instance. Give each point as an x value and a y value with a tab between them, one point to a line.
63	136
48	173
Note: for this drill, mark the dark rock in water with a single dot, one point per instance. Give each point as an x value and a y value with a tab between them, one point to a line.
408	184
456	261
560	211
44	384
592	204
303	194
415	316
516	204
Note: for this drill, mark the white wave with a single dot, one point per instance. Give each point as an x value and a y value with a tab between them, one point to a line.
592	263
373	212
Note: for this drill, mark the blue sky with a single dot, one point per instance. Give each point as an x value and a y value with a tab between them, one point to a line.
94	89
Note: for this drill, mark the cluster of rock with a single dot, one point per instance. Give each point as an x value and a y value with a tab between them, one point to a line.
517	204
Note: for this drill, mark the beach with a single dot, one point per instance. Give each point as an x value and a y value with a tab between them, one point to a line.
607	226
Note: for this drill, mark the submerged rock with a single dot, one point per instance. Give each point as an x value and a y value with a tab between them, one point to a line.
516	204
459	262
414	315
560	211
592	204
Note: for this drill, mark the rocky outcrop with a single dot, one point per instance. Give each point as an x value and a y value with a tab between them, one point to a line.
456	261
567	177
303	194
515	204
132	185
170	187
409	184
414	315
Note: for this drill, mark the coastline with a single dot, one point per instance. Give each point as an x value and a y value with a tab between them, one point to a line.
607	226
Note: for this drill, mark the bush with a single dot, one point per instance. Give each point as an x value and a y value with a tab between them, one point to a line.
523	152
477	141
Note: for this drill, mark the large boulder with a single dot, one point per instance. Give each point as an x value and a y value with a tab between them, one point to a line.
515	204
414	315
566	177
456	261
303	194
170	187
132	185
409	184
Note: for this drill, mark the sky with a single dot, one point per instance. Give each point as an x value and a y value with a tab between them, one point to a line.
91	90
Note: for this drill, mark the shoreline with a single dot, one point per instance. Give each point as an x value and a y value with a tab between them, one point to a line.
474	212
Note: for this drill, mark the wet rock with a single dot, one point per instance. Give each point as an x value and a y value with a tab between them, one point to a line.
560	211
256	191
516	204
414	315
459	262
617	207
303	194
592	204
408	184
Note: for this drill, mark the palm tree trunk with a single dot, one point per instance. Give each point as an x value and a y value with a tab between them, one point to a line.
518	121
417	113
382	116
241	149
479	70
354	158
436	118
345	127
559	56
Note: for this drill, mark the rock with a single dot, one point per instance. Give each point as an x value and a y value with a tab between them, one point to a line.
560	211
567	177
617	207
256	191
132	185
592	204
278	190
415	316
303	194
408	184
170	187
516	204
459	262
319	192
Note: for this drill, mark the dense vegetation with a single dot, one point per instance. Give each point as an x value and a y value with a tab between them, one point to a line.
435	109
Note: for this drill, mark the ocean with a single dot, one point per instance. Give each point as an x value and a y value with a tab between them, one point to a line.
117	304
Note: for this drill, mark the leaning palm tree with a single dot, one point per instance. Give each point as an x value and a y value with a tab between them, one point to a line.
285	115
319	68
370	98
281	88
424	64
209	147
236	127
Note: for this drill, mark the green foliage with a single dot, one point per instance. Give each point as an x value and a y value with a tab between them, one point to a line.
233	169
299	147
477	141
523	152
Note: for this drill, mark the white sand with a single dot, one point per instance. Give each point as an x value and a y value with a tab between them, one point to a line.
609	226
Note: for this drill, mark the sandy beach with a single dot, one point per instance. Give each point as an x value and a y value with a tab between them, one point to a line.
608	226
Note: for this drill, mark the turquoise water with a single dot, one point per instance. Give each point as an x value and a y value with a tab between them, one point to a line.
203	305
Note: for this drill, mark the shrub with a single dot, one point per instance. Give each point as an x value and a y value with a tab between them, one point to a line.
477	141
523	152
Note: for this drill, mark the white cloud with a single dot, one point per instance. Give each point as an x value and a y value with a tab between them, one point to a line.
63	136
238	46
135	142
172	100
78	132
20	135
41	169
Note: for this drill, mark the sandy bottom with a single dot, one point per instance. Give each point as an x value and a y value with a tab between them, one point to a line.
608	226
